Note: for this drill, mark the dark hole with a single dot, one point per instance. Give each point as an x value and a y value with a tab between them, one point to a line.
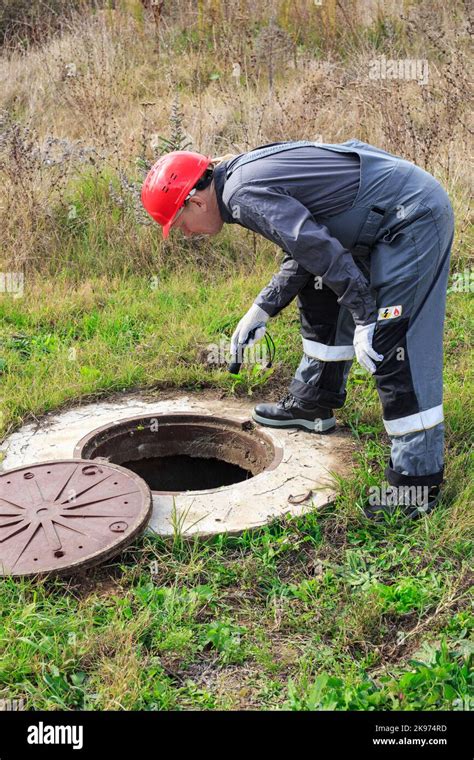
186	473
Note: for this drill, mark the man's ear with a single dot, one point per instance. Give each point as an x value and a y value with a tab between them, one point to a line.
199	201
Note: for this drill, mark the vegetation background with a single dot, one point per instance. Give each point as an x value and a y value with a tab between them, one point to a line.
325	612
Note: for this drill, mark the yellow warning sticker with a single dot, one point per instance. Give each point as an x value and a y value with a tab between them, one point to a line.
389	312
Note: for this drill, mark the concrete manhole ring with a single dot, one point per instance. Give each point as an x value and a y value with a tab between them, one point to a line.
270	472
68	514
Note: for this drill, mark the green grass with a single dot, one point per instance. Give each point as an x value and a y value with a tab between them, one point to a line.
67	341
322	612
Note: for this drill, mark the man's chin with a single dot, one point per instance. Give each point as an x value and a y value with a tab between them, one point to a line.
203	234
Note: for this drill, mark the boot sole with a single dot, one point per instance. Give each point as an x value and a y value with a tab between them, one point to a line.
378	514
311	426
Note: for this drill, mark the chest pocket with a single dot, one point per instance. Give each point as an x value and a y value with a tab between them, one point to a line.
390	236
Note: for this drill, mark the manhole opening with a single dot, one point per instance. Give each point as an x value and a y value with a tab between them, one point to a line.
176	453
185	473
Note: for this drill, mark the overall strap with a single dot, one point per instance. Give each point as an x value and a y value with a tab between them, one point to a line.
265	150
377	215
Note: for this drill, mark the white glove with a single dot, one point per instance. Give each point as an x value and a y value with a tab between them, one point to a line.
254	318
363	337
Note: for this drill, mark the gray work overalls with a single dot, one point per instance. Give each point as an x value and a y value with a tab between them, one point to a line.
399	231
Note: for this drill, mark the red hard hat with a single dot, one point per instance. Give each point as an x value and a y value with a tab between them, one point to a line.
168	183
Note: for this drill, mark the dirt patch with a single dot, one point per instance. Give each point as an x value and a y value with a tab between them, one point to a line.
234	684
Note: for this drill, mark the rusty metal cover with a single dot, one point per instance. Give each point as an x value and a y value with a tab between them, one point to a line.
68	514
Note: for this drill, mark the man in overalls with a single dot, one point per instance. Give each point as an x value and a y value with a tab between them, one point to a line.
367	239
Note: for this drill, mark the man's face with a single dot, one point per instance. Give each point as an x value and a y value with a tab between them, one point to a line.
198	217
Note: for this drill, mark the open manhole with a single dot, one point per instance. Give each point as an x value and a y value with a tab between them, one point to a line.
174	453
285	471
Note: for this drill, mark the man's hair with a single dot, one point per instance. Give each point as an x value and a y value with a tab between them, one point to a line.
206	178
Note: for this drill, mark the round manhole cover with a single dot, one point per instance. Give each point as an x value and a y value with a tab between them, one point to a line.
61	515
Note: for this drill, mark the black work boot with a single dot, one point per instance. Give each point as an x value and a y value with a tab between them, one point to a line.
411	504
291	412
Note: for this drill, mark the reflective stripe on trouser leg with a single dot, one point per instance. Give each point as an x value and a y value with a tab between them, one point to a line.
425	420
409	379
325	353
327	332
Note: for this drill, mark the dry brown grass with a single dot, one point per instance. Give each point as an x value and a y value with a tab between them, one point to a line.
110	81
